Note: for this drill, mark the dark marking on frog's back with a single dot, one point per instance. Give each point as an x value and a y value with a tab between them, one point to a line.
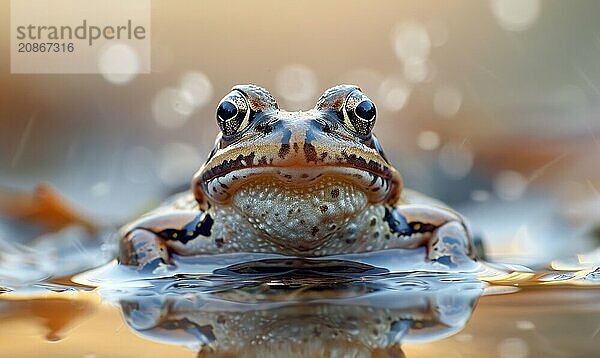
284	150
310	153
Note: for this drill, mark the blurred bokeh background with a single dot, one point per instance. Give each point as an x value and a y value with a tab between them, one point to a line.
490	105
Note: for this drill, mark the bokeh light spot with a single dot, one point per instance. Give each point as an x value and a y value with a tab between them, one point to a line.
447	100
416	70
198	86
480	195
525	325
101	188
172	107
296	83
428	140
515	15
411	42
513	348
393	93
510	185
118	63
438	32
177	163
463	337
138	165
456	160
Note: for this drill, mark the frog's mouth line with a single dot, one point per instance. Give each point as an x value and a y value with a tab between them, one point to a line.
379	187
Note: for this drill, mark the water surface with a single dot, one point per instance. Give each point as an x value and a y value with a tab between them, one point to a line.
390	303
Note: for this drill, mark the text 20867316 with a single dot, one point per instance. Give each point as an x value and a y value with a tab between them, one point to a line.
45	47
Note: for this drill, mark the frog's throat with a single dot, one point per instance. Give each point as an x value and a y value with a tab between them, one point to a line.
379	187
298	220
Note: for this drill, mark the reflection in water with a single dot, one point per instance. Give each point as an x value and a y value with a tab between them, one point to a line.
269	305
260	305
55	313
302	314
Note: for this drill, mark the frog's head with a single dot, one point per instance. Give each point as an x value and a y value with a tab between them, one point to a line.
326	159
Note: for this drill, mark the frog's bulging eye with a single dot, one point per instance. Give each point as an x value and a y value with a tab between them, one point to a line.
365	110
359	113
233	113
226	111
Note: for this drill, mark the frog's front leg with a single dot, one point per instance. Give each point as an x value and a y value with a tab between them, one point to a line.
442	231
152	239
142	248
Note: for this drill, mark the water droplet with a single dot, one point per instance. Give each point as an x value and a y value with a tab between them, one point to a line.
456	160
447	100
428	140
411	42
177	163
296	83
510	185
198	86
515	15
118	63
172	107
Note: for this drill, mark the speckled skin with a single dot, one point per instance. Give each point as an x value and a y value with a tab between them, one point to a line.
311	183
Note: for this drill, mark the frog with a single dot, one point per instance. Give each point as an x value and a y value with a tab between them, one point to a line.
312	183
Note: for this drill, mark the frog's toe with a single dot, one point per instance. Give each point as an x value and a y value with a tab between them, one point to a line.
450	245
143	249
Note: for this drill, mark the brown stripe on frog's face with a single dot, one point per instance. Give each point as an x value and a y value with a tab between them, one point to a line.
296	149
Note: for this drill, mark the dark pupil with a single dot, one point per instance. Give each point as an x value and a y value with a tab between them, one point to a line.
365	110
227	110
